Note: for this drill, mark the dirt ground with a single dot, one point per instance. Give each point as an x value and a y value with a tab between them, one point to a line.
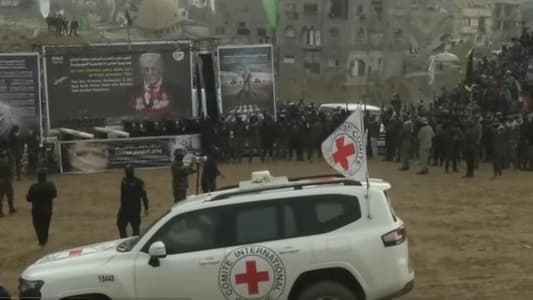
469	239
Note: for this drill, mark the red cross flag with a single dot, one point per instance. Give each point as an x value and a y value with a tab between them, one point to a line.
345	149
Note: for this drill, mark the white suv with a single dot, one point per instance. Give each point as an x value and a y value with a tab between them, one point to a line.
269	238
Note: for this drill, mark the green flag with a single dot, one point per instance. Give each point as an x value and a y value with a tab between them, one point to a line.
84	24
271	10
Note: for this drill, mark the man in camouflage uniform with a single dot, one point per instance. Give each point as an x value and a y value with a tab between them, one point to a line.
406	140
180	176
425	137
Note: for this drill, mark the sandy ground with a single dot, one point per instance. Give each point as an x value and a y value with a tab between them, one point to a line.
469	239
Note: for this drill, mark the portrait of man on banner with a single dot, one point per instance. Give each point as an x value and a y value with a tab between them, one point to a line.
154	98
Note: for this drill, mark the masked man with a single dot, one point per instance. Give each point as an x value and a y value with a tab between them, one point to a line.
131	195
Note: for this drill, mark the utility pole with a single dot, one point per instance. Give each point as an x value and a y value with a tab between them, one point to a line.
129	21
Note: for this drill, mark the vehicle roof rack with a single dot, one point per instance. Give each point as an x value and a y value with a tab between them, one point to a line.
296	185
329	176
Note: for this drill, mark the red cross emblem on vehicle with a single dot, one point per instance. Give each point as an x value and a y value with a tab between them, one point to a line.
76	252
344	151
252	272
252	277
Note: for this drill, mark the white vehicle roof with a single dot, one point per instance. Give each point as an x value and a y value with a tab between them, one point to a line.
263	181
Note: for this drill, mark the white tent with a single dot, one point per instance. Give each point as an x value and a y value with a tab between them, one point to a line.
44	7
446	57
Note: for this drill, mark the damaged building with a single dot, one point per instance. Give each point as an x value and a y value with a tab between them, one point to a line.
326	50
335	49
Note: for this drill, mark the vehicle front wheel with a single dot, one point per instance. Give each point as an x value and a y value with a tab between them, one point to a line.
327	290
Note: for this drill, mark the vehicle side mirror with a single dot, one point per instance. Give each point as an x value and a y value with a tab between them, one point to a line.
157	251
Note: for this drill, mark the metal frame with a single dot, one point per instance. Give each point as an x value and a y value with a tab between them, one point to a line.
127	139
323	177
47	98
295	184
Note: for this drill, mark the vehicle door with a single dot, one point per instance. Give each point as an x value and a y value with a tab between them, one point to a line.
194	250
266	255
327	215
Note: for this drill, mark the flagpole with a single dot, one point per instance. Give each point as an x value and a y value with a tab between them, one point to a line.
365	137
129	22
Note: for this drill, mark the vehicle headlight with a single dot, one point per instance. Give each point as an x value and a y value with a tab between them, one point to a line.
29	288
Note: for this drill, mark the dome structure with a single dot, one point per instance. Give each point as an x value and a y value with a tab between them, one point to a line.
158	15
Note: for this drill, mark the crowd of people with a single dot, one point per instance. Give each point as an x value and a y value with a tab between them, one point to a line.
489	119
62	26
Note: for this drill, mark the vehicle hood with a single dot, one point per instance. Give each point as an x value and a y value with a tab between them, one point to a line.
93	253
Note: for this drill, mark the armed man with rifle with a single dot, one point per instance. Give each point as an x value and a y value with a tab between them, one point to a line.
180	176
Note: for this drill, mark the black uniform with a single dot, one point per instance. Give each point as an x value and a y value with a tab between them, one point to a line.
33	153
498	149
295	140
132	193
4	293
268	132
74	25
406	142
373	136
470	138
439	145
210	173
452	145
16	150
308	138
41	195
6	185
390	140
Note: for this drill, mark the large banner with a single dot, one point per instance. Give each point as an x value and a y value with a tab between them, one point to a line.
114	82
247	79
19	91
94	156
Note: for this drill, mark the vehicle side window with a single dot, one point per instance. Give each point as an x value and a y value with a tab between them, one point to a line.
256	224
327	212
288	218
189	233
321	214
289	222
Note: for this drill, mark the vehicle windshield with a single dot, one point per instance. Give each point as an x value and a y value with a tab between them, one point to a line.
127	245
